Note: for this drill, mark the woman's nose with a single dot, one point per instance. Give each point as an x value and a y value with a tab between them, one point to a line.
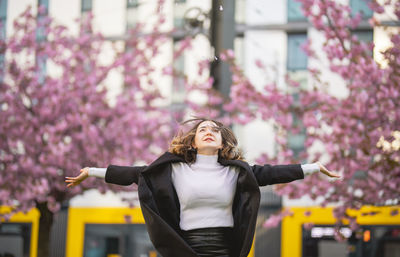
209	131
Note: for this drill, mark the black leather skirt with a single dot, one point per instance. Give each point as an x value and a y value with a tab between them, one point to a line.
210	242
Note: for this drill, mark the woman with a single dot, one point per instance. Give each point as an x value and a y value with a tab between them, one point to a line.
201	198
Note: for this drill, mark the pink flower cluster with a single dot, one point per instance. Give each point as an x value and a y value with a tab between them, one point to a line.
52	125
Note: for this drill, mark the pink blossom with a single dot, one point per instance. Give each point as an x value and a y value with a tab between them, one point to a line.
308	225
128	218
230	53
259	64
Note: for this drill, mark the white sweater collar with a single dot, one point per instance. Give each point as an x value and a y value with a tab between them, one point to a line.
206	162
207	159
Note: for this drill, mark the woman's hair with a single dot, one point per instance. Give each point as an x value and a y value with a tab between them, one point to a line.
181	144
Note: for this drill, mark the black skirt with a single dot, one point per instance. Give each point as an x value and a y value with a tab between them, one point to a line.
210	242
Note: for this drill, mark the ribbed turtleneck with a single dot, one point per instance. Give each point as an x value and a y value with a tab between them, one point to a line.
205	190
206	163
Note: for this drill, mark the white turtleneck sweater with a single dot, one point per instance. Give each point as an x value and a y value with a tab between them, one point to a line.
205	190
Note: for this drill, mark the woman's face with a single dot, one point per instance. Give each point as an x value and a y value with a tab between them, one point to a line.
208	138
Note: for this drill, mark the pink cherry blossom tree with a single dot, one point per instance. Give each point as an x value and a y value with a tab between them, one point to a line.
56	116
360	132
363	139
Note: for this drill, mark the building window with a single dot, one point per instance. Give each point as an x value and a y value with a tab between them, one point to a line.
132	3
296	57
3	18
45	5
179	12
296	140
294	12
41	64
366	36
297	70
86	5
131	13
3	23
40	32
3	69
361	6
41	36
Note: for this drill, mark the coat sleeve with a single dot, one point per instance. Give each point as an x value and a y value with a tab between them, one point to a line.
123	175
275	174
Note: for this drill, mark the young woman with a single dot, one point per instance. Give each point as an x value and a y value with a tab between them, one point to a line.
201	198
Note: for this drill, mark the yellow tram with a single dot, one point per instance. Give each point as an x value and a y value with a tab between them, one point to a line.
19	235
377	236
90	232
118	232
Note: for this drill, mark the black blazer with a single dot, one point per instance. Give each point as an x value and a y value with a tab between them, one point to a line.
160	205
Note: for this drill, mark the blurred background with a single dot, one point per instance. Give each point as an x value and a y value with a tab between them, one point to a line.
111	84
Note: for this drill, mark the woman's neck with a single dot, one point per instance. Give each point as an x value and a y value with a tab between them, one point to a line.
207	151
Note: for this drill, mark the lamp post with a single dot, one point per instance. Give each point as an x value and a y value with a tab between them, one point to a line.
219	27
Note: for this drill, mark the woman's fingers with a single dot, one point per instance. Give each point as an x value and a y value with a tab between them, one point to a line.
325	171
74	181
332	174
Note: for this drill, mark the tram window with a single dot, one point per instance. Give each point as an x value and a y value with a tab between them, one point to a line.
369	241
118	240
324	248
392	249
330	248
15	239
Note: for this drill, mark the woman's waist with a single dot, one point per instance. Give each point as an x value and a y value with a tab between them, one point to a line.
210	219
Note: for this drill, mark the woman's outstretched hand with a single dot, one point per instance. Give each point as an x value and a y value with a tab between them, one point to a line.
325	171
74	181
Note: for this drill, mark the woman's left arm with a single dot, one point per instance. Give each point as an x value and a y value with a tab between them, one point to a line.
276	174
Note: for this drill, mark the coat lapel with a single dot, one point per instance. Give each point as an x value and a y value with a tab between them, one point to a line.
245	206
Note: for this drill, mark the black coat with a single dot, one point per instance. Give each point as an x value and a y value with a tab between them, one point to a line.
160	205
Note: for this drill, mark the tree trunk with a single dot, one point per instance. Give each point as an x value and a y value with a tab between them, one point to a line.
45	223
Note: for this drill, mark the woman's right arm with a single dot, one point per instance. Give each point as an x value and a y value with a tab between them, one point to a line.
120	175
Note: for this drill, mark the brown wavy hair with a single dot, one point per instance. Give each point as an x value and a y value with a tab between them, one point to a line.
181	144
